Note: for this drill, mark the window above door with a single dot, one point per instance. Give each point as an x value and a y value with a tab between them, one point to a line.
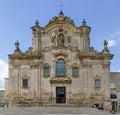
60	68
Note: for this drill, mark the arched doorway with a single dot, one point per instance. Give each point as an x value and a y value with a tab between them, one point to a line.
113	101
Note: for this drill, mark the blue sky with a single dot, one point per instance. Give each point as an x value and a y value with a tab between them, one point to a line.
18	16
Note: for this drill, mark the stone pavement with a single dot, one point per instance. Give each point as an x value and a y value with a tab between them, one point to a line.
52	110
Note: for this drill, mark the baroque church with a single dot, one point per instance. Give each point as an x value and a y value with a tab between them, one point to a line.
60	68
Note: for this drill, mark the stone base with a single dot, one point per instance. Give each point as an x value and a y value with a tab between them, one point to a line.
22	102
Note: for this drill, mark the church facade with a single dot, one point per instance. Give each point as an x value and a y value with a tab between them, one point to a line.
60	67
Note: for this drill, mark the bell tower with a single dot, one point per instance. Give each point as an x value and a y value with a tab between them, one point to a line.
84	36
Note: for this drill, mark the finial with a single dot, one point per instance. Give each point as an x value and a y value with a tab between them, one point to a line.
17	45
105	45
61	12
17	49
105	50
37	23
83	22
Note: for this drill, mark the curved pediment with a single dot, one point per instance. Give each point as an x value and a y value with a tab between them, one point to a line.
61	17
61	53
46	65
60	20
75	65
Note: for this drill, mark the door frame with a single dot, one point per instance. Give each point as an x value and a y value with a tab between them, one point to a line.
60	91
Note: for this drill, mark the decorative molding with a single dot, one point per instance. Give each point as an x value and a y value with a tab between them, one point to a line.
56	54
33	66
96	56
86	64
61	17
106	65
61	80
72	49
46	65
26	56
25	77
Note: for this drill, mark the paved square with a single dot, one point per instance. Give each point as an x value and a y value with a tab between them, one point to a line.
52	110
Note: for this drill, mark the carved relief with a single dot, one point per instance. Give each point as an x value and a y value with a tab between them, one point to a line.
75	65
61	17
61	53
61	80
60	40
53	38
106	65
15	63
86	64
34	64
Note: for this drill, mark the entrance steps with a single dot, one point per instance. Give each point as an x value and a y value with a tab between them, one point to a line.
60	105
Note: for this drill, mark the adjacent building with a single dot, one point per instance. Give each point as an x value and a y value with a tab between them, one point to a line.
2	100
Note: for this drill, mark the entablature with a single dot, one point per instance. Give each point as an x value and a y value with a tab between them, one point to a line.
25	56
61	80
96	56
71	49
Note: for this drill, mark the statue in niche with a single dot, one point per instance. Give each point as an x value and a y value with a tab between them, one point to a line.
53	36
60	40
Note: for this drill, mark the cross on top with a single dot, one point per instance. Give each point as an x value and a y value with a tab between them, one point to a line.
61	5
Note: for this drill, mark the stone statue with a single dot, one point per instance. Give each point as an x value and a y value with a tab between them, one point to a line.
60	40
17	49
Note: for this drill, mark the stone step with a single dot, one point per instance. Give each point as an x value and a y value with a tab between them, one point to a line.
60	105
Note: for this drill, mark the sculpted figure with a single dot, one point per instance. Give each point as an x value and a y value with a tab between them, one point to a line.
60	40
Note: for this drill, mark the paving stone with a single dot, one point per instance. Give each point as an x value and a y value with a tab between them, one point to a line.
52	110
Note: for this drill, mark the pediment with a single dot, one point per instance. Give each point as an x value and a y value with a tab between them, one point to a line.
61	17
61	53
60	20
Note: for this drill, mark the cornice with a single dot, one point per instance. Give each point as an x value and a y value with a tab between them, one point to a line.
25	56
97	56
61	80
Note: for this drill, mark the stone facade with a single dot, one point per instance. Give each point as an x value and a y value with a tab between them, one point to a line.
60	67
